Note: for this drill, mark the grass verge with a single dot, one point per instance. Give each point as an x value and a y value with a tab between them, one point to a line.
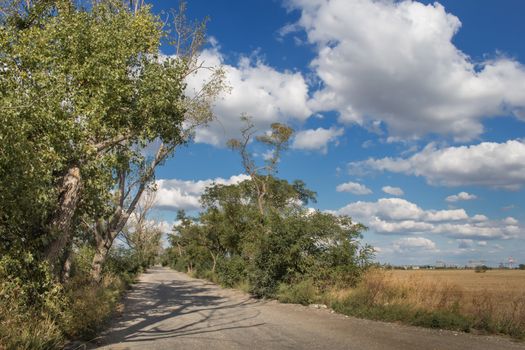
381	296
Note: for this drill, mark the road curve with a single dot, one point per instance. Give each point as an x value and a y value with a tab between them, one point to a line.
169	310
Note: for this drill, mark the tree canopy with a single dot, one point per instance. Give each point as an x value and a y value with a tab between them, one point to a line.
84	90
261	232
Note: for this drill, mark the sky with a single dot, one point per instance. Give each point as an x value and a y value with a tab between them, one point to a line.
409	116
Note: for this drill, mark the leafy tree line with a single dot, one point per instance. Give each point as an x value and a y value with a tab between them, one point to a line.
89	109
260	232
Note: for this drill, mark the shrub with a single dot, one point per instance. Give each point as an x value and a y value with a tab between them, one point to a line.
91	305
303	292
31	305
231	271
481	268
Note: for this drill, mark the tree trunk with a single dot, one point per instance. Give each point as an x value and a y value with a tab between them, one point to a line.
61	222
98	260
214	258
66	269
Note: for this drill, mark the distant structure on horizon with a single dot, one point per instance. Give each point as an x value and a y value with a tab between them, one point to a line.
440	264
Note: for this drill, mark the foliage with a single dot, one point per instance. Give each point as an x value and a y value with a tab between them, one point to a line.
260	232
36	312
481	268
85	93
91	305
294	245
84	90
304	293
31	305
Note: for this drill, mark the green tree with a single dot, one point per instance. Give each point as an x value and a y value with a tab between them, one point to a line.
261	231
277	139
85	89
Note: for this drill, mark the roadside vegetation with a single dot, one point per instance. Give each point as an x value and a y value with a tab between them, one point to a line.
89	109
435	303
259	236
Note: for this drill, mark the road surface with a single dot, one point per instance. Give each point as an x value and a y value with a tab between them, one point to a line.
169	310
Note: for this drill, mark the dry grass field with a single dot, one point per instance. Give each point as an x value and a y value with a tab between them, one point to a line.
492	281
493	301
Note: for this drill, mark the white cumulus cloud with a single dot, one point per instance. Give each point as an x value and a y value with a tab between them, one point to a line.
461	196
410	244
353	187
399	216
316	139
261	91
491	164
394	191
395	62
175	194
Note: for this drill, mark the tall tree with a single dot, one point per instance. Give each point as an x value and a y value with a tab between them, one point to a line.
87	90
277	140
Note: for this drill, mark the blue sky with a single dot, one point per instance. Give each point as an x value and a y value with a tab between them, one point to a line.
409	117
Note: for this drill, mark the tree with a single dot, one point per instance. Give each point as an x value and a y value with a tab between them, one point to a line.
277	139
142	234
260	230
85	106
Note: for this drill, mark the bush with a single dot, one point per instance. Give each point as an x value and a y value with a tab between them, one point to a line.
91	305
31	305
481	268
38	313
231	271
303	293
122	261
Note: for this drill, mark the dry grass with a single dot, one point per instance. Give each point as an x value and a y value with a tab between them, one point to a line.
511	281
493	301
91	305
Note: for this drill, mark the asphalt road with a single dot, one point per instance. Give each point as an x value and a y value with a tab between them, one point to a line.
169	310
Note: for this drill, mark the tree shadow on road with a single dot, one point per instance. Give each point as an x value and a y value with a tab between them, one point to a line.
178	308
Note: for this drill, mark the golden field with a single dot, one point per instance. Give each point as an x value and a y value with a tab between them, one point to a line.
492	301
507	281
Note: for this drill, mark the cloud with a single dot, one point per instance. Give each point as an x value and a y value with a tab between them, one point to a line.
395	62
398	209
510	221
465	243
316	139
411	244
394	191
398	216
353	187
174	194
461	196
264	93
479	217
491	164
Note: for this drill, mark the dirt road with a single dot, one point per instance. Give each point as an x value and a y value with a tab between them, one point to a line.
169	310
